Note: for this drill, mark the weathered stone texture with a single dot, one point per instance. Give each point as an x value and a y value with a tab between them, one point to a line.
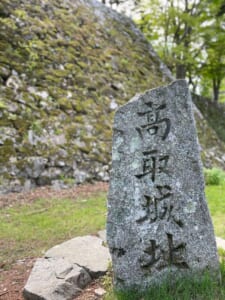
67	268
55	279
158	220
86	251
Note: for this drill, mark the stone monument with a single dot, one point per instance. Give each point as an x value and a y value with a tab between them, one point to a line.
158	221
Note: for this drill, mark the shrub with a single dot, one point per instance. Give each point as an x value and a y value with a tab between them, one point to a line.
214	176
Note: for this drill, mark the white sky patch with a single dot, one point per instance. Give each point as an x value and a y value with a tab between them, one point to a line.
126	7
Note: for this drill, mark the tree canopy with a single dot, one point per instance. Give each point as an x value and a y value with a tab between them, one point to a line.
189	37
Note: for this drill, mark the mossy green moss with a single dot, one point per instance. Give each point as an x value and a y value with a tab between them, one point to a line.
212	148
6	151
214	114
63	64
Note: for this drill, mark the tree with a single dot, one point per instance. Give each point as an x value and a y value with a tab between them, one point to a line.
221	9
177	29
213	68
189	37
173	28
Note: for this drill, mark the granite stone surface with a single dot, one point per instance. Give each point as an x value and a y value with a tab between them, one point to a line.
67	269
158	221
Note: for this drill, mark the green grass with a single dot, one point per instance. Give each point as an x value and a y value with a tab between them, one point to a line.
214	176
190	288
216	201
29	230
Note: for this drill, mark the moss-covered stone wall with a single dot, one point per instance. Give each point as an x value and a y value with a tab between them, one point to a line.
65	66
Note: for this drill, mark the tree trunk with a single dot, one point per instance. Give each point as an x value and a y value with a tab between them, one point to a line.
216	88
180	71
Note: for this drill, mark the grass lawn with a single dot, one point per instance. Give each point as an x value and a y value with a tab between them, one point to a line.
182	289
29	230
215	195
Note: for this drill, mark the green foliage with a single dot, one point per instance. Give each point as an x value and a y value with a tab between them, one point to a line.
214	176
189	37
213	67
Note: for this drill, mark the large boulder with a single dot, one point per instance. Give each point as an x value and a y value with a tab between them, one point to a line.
88	252
55	279
67	268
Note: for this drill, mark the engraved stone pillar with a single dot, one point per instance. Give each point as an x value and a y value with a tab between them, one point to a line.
158	221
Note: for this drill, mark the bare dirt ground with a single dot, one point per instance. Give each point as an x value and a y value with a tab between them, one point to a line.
13	281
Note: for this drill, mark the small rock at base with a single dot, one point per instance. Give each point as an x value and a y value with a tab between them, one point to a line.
100	292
